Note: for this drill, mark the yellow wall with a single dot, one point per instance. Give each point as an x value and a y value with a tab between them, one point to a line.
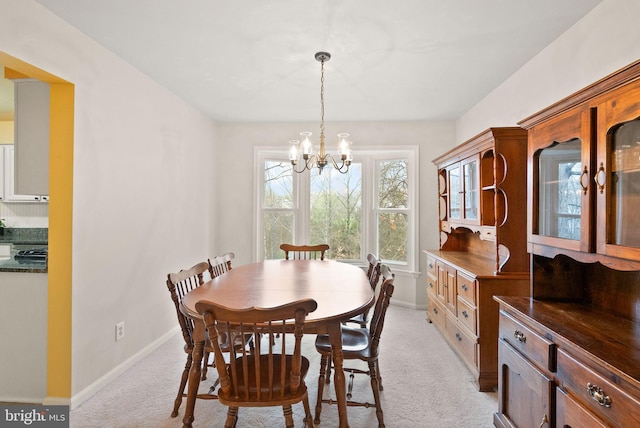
6	132
60	226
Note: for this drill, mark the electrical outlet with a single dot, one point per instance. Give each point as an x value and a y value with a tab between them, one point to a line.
120	330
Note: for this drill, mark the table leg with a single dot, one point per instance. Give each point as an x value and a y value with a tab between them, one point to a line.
194	373
335	337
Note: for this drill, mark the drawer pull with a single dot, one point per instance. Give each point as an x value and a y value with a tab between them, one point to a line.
431	264
520	336
600	178
430	284
585	174
465	314
545	420
464	287
435	311
598	394
459	337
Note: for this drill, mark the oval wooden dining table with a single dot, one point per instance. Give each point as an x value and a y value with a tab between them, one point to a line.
340	289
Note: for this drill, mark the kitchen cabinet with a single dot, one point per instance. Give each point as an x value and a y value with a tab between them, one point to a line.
24	297
482	245
2	180
8	175
584	239
31	136
584	178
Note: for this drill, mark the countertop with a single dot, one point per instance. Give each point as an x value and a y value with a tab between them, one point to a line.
12	265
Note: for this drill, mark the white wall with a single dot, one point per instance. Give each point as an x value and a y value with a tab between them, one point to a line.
146	178
142	189
28	214
604	41
236	193
19	293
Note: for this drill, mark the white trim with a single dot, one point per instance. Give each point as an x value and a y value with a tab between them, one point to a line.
409	305
56	401
100	383
369	157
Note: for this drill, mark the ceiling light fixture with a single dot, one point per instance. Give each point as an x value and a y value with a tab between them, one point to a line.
322	158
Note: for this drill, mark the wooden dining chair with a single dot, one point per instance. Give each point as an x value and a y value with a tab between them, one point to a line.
179	285
361	344
269	376
304	252
373	274
220	264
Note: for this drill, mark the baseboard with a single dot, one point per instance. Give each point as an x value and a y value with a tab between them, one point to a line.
90	390
19	400
409	305
56	401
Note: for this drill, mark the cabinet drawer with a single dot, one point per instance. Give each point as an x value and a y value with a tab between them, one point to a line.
570	414
466	288
436	312
598	394
467	315
432	284
535	347
462	342
431	265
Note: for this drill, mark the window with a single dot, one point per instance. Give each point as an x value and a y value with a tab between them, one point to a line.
371	209
560	192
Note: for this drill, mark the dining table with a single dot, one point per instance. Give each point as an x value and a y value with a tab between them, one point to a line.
341	290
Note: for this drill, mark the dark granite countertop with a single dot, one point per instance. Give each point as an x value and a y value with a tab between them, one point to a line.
24	239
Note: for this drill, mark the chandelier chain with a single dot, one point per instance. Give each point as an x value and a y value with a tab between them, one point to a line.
322	100
321	158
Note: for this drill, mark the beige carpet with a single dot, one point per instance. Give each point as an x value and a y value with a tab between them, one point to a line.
425	385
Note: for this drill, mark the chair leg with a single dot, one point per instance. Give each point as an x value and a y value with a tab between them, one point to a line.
308	420
323	367
379	376
328	375
183	384
375	388
232	417
205	365
288	416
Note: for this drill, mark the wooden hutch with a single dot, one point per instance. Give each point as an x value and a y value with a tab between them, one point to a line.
569	355
482	195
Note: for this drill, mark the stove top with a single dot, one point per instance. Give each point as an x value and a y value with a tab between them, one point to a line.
33	254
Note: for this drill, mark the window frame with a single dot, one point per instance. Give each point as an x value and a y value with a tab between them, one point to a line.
368	157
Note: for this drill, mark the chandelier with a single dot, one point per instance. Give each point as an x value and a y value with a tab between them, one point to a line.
305	148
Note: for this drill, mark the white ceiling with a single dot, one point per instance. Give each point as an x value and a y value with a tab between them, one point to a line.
253	60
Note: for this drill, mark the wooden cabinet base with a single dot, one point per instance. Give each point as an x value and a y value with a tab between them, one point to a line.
465	313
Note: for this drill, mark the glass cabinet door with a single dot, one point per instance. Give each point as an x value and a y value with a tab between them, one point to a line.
455	192
560	190
464	191
471	190
618	177
624	199
562	182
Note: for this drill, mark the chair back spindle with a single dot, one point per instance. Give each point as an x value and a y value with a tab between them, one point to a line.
304	252
380	310
220	264
179	284
268	375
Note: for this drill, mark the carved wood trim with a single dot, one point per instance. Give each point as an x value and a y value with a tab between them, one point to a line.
613	81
